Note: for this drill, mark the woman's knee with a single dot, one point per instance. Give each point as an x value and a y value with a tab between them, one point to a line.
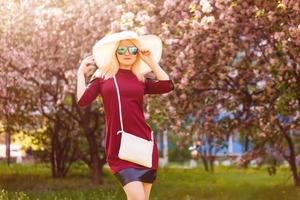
134	190
147	189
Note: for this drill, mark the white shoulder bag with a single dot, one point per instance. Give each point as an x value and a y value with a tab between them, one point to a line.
133	148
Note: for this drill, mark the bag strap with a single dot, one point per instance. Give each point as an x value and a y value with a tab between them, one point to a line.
120	109
119	102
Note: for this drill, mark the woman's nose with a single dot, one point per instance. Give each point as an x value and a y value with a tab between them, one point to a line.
127	52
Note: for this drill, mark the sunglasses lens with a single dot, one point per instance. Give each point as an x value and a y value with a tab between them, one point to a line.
133	50
121	50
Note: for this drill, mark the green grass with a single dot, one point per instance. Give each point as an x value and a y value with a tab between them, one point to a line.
35	182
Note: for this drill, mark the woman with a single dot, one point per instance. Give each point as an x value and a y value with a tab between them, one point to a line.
129	57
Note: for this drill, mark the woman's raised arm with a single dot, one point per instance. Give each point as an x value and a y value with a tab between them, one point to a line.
86	93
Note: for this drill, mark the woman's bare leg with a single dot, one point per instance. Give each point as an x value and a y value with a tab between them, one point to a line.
134	190
147	189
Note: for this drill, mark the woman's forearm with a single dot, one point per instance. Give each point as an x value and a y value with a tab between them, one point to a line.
80	84
159	72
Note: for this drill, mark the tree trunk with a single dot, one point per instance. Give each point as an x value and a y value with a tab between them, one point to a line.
211	162
53	155
205	163
246	145
7	141
96	163
293	167
59	155
292	156
96	170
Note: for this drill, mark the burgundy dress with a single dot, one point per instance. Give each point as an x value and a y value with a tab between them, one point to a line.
132	92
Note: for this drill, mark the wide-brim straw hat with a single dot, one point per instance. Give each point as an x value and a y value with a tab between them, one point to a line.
105	47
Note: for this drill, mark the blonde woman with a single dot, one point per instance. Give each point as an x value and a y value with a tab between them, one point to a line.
129	57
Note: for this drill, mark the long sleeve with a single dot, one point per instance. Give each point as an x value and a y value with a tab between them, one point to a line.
91	92
154	86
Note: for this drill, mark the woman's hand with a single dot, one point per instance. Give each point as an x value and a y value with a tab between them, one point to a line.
88	66
147	56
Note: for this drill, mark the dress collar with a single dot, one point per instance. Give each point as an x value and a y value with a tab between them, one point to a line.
125	70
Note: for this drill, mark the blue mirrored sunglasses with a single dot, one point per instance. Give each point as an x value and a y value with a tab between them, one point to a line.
132	50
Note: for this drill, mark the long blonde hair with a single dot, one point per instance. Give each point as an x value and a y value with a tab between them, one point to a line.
110	66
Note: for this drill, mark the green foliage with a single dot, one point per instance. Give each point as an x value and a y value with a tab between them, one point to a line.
178	153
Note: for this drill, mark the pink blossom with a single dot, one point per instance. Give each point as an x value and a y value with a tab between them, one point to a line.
205	6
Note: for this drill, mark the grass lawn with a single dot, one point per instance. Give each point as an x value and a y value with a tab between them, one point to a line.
35	182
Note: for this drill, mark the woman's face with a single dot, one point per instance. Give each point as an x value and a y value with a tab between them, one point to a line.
127	58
